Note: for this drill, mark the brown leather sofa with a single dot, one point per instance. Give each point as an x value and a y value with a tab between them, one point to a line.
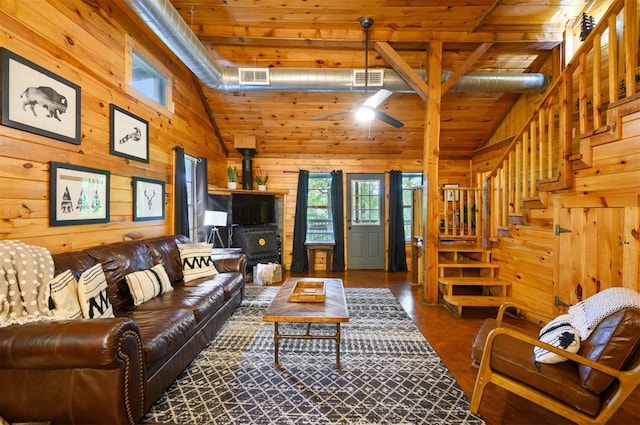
587	389
110	371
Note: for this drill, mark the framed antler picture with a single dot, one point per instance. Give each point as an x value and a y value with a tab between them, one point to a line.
38	101
78	195
148	199
129	135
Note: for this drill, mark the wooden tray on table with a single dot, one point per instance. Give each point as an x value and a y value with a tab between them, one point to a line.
310	291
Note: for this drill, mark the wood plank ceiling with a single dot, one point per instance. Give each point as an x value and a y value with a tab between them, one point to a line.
489	36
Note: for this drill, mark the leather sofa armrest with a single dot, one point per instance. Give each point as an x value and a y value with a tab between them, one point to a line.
231	263
64	344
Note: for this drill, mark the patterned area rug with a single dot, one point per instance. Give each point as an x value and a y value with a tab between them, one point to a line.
390	374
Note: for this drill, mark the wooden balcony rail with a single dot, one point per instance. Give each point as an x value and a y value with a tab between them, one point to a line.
461	213
603	71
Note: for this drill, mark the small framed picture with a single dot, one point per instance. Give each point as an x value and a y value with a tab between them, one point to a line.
452	194
129	135
78	195
148	199
38	101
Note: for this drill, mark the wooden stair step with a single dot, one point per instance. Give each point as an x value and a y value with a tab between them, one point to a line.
460	248
467	264
473	281
459	301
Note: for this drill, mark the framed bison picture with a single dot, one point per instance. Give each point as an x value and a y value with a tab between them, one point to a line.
129	135
38	101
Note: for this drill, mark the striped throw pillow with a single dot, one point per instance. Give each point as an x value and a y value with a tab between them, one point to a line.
196	261
62	296
560	333
92	294
146	284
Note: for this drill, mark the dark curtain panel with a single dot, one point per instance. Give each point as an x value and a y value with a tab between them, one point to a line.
181	218
337	213
201	197
397	251
299	262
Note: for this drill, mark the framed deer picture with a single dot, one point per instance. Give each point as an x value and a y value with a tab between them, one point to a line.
38	101
129	135
148	199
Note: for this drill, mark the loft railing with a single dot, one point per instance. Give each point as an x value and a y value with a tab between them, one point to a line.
603	71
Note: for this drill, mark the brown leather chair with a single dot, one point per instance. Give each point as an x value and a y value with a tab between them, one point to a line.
587	389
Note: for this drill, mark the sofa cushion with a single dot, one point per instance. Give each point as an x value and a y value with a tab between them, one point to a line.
164	251
147	284
613	342
62	294
92	294
230	282
77	262
515	358
196	261
118	260
203	301
560	333
162	332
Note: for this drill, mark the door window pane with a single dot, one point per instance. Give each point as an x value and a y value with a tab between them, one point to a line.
365	206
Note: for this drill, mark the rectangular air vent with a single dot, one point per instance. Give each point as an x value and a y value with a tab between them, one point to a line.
376	77
253	76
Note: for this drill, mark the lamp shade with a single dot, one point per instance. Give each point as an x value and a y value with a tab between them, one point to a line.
215	218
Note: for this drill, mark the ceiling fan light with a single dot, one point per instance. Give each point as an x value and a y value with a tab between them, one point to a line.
365	114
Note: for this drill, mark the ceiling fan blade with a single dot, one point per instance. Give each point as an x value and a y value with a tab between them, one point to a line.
377	98
321	117
388	119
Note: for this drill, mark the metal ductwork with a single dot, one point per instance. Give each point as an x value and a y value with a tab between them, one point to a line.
168	25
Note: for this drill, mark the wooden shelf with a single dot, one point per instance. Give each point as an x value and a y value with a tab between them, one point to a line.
226	191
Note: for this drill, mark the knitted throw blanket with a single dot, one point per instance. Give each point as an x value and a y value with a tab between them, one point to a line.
25	272
585	315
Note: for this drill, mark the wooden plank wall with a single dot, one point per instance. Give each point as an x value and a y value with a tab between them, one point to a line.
283	177
543	266
86	45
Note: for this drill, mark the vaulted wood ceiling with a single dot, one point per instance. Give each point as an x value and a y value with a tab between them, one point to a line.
491	36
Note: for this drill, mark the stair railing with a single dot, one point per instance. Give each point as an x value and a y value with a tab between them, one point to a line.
603	71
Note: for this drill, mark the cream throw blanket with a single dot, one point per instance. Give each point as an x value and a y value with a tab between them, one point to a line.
585	315
25	273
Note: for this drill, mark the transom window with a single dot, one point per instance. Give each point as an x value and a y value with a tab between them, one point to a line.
147	79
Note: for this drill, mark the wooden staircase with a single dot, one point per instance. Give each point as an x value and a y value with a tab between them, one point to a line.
467	277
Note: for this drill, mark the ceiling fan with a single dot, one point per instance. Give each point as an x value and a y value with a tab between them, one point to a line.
366	110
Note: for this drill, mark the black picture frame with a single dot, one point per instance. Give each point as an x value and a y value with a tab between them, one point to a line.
148	199
36	100
78	195
129	134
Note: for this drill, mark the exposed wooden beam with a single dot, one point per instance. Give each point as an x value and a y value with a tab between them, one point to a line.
260	36
473	57
403	69
431	155
486	15
205	103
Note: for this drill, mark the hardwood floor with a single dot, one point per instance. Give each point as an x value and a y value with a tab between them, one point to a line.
452	336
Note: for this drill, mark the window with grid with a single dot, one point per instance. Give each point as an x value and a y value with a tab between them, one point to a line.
319	218
409	181
365	204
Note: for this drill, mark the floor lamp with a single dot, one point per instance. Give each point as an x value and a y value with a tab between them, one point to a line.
215	219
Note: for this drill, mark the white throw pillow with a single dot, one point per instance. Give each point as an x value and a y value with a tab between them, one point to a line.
92	294
62	296
196	261
146	284
560	333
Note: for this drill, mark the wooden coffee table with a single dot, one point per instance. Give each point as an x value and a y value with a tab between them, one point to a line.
332	310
